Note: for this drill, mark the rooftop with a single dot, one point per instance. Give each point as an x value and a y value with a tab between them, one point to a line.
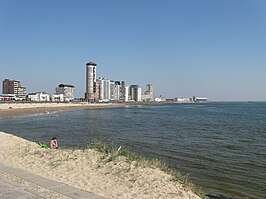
66	85
91	63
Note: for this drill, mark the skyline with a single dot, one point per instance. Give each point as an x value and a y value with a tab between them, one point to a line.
213	49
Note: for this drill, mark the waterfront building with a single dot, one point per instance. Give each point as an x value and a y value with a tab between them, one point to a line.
39	97
126	99
105	91
120	90
90	94
149	94
201	99
7	97
146	97
14	87
160	99
135	93
113	91
67	91
183	99
97	90
57	97
116	92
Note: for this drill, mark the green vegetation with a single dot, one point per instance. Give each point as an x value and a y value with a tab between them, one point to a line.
112	152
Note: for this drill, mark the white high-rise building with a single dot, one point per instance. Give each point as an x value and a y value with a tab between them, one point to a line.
112	90
126	93
90	81
135	93
120	90
138	99
149	94
105	92
116	92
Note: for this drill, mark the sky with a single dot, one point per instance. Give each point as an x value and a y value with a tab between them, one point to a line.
204	48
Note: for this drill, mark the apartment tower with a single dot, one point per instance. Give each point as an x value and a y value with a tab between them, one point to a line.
90	81
105	92
67	91
14	87
150	91
135	93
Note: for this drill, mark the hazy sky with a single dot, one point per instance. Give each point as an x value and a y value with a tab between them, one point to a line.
206	48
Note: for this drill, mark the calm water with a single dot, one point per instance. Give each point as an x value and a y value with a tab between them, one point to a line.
222	146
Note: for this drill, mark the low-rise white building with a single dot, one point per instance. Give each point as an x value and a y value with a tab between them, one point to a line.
183	99
201	99
160	99
39	97
57	97
8	97
146	97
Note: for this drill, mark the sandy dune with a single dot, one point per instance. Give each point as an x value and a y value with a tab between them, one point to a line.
88	169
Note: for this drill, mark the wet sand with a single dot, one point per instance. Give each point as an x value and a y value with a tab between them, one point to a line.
19	109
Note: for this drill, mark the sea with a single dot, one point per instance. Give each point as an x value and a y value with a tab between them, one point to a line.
220	146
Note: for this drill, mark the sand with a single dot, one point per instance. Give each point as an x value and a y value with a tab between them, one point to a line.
19	109
89	170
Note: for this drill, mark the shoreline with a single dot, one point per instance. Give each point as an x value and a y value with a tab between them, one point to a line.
91	170
21	109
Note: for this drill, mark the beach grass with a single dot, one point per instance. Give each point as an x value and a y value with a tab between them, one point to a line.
112	152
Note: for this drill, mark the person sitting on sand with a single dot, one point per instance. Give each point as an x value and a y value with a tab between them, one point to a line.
54	143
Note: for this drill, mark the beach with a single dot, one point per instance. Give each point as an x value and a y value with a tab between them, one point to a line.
20	109
90	170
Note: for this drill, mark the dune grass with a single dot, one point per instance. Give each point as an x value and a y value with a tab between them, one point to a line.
112	152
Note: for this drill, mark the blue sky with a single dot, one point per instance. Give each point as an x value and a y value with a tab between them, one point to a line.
208	48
